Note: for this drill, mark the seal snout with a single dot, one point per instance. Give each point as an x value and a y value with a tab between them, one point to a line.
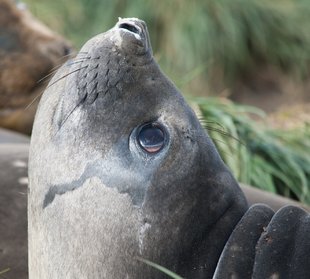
134	32
130	27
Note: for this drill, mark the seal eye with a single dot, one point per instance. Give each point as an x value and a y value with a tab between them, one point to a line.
151	137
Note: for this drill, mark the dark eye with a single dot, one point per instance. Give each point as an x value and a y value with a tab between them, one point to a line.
151	137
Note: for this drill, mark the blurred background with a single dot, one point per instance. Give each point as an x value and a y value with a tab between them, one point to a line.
243	64
244	49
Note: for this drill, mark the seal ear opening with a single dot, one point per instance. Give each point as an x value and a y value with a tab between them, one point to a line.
129	27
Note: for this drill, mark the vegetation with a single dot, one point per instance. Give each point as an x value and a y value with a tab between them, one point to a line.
161	269
232	37
274	160
4	271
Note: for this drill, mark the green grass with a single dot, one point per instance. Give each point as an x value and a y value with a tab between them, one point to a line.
161	269
235	37
274	160
4	271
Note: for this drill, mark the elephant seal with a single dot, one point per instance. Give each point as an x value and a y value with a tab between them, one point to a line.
120	169
29	51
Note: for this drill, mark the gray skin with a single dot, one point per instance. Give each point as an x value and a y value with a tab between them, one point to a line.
98	201
13	203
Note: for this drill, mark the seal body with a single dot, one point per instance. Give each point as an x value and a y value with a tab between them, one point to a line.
105	201
29	51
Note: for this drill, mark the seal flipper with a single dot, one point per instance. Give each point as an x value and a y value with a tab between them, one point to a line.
237	258
282	250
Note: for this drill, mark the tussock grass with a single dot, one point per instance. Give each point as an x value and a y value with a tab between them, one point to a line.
233	36
4	271
274	160
161	269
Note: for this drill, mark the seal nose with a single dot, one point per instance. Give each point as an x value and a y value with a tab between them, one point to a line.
129	27
135	31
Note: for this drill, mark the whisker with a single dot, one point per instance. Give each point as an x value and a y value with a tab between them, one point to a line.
56	68
66	76
53	71
73	59
205	122
81	57
74	53
76	62
220	141
39	95
71	54
224	133
34	99
67	117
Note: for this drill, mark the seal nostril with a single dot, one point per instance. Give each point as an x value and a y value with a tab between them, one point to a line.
129	27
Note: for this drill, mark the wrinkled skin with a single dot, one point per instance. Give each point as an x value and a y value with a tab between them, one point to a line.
98	201
29	51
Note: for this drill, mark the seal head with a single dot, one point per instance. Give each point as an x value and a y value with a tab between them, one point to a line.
121	168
